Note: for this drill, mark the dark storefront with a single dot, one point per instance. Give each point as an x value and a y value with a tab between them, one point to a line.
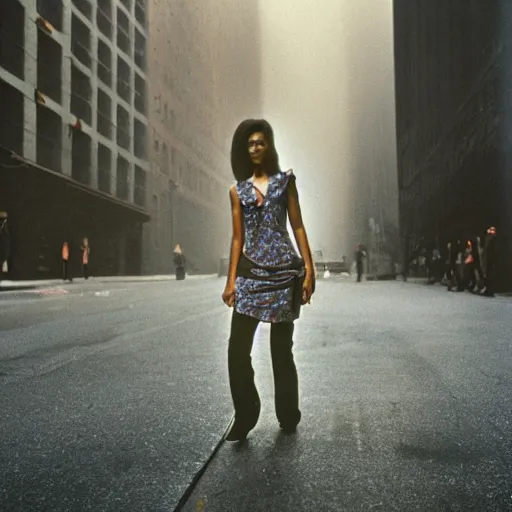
46	208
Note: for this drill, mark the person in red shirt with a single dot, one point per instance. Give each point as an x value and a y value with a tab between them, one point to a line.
85	257
65	262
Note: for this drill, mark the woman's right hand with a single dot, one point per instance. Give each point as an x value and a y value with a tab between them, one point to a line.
228	295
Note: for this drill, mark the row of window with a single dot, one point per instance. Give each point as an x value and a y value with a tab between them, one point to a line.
50	153
52	10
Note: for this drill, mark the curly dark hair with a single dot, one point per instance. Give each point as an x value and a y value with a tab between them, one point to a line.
240	160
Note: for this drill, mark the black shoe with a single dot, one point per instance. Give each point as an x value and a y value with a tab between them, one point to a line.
288	428
237	433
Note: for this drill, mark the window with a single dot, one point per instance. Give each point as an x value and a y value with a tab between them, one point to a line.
122	178
139	139
80	95
104	168
104	18
11	120
81	157
49	64
123	32
104	63
81	41
123	127
139	193
49	133
104	114
12	35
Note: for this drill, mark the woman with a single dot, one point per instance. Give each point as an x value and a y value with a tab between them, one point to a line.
86	250
65	262
179	263
267	280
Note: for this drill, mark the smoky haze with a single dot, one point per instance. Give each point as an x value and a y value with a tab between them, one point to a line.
328	90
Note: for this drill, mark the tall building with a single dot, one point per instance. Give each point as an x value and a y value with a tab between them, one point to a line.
204	68
73	132
370	114
454	113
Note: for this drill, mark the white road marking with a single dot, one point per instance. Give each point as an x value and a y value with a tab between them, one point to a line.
357	431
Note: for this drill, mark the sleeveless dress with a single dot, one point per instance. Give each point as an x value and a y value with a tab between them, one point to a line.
268	273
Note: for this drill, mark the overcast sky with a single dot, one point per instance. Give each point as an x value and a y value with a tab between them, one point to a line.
328	90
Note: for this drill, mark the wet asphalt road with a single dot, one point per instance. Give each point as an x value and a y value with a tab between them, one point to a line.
113	396
114	401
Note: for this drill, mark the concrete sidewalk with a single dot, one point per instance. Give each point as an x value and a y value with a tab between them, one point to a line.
49	283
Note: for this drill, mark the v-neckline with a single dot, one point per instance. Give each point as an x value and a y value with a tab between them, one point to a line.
253	185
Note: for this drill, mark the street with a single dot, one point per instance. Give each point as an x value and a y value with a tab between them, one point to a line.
114	396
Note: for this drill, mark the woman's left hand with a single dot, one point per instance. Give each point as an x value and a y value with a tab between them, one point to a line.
307	289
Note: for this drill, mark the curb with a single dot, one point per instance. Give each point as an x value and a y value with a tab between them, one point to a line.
18	288
98	280
381	277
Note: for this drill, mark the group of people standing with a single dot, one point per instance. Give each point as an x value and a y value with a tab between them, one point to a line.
465	265
85	250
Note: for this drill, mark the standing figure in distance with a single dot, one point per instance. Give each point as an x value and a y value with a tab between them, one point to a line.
65	262
360	255
267	280
490	254
86	250
179	263
5	246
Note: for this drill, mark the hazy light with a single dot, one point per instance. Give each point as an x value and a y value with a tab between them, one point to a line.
328	90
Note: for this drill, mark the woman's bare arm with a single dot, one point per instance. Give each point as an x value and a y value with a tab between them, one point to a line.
295	216
237	239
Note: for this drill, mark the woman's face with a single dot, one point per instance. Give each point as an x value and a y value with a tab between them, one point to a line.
257	147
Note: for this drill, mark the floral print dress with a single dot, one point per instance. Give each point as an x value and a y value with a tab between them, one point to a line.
266	285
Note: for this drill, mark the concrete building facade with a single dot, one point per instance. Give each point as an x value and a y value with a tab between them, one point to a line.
202	84
73	132
453	81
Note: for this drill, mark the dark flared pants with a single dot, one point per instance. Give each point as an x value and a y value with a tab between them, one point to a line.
65	270
359	272
245	396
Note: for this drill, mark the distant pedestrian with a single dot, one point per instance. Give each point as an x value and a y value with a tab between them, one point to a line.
359	257
179	263
455	259
435	267
5	246
469	274
86	250
479	275
489	266
65	262
267	280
